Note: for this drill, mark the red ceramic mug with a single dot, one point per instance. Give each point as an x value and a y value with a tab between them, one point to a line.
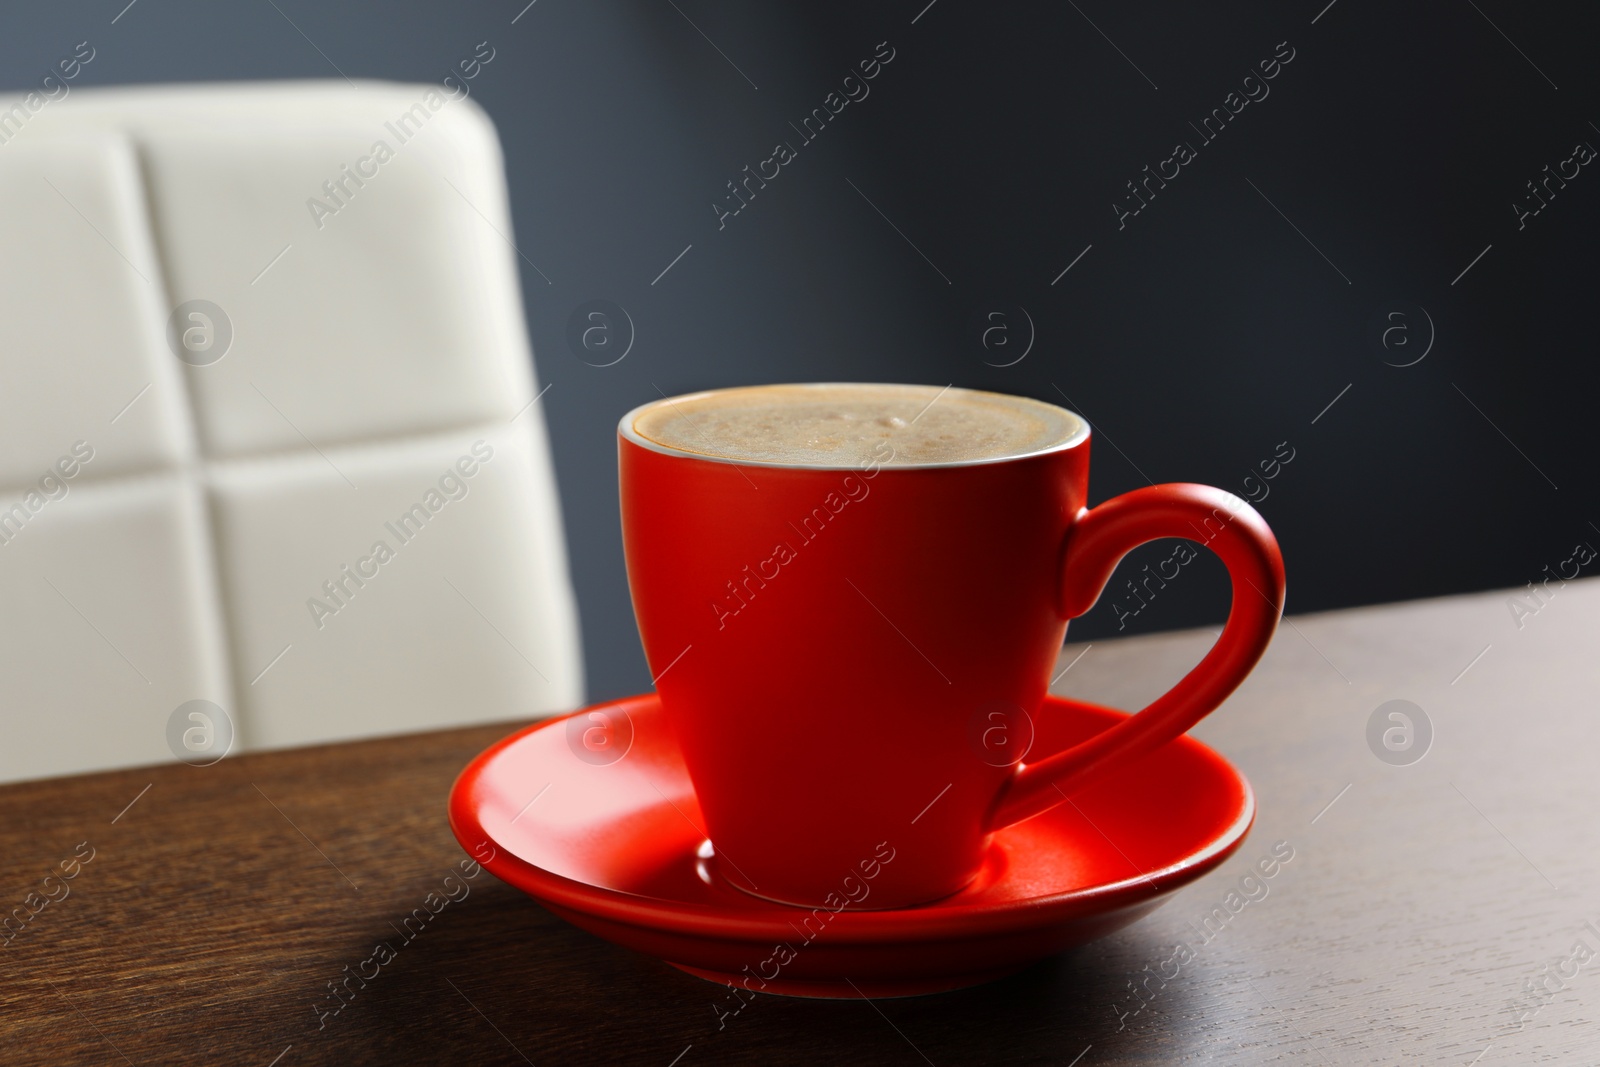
835	647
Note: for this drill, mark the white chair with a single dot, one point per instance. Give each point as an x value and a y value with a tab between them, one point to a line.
173	530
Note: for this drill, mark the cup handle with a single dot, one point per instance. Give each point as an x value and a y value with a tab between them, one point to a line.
1095	544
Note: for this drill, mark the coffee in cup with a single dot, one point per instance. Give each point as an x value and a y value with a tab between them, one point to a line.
836	583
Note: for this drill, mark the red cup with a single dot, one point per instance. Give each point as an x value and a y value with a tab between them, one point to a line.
851	657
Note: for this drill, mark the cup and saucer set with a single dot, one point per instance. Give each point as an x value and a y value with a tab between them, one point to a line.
851	780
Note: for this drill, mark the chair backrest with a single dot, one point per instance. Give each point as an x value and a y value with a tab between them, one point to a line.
269	432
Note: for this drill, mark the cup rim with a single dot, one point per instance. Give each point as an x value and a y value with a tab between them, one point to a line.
626	431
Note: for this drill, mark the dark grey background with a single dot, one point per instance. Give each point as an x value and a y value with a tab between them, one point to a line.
1221	321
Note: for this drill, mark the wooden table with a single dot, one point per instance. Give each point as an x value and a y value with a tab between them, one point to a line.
1422	903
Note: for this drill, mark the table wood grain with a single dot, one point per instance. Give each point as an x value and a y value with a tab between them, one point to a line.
1431	912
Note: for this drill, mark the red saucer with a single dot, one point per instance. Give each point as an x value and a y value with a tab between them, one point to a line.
617	850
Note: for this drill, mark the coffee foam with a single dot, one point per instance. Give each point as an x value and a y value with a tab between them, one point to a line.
846	425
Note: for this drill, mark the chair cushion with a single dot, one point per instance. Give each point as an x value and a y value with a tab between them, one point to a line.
357	243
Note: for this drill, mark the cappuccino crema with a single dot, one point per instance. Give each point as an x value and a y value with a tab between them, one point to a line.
844	425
